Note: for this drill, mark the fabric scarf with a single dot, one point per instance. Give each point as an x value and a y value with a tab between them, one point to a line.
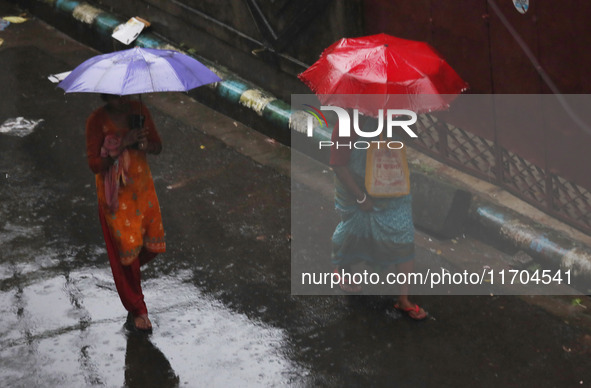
117	173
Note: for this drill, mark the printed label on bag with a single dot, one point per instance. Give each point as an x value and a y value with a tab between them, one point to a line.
386	173
388	170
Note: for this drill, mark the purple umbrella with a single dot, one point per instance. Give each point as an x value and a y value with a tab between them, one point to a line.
136	71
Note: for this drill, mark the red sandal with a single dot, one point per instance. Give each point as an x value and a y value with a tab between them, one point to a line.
413	312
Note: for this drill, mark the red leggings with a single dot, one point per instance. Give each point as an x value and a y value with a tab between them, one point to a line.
127	277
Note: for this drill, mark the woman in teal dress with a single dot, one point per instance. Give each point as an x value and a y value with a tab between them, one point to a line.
377	231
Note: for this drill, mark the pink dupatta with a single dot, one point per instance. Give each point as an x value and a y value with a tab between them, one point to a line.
117	173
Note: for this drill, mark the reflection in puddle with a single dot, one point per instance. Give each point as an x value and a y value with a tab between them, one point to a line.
19	126
146	365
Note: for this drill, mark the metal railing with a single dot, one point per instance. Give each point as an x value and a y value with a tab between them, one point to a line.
484	159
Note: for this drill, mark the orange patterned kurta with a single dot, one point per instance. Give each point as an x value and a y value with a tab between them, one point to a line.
137	222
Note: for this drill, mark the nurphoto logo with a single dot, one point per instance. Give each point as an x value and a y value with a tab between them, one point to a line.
402	118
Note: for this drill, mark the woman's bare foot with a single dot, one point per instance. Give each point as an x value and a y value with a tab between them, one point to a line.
142	322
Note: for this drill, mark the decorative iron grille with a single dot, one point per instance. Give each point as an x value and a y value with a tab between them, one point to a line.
571	203
484	159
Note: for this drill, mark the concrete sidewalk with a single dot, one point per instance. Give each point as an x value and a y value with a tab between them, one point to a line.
447	201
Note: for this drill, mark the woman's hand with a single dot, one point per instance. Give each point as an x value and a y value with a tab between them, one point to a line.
135	136
130	138
367	204
143	139
346	177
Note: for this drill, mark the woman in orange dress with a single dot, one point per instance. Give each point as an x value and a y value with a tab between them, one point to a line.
128	206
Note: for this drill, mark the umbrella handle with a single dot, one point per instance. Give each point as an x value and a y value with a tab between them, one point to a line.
142	145
137	121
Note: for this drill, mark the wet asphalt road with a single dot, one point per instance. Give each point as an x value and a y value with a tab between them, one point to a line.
220	297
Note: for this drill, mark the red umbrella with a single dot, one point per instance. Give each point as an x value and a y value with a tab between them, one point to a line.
399	73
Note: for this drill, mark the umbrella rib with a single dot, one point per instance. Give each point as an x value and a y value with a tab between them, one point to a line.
199	80
148	67
413	67
190	72
103	75
184	87
180	80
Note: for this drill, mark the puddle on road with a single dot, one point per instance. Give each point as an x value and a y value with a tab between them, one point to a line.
12	231
68	331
